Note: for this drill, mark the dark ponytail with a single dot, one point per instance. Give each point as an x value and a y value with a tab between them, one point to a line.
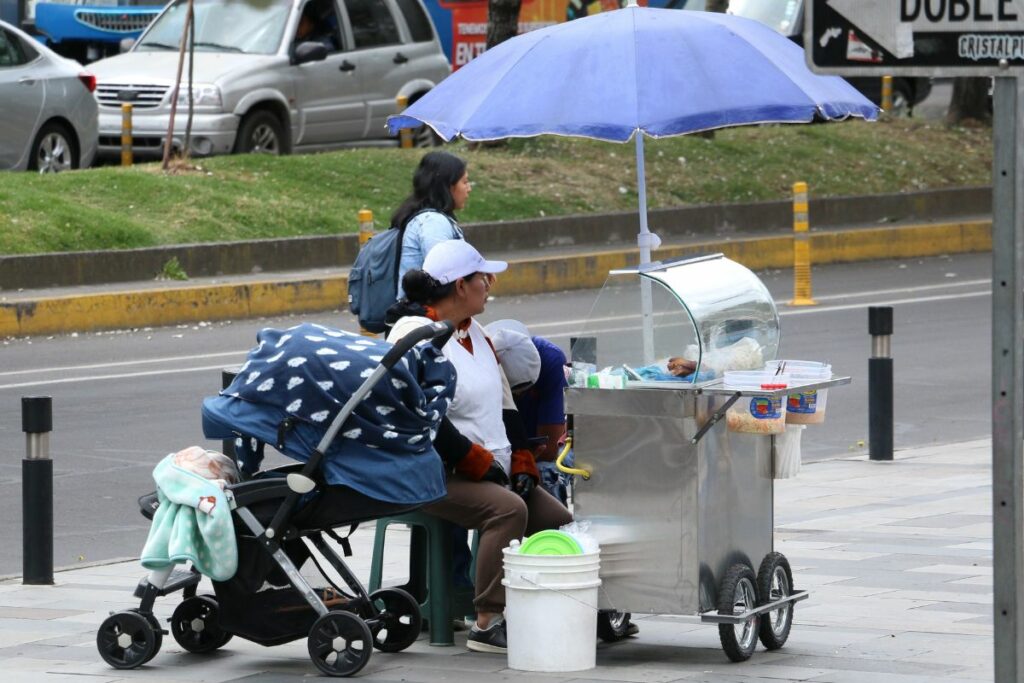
420	288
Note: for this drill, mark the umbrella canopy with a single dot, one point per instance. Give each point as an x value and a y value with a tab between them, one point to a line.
663	72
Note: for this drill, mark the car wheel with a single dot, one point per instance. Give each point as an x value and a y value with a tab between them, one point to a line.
424	136
260	133
54	150
901	100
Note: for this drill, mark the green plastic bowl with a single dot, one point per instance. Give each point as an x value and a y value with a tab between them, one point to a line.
550	542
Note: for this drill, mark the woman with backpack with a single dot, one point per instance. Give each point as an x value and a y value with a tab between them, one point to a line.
440	187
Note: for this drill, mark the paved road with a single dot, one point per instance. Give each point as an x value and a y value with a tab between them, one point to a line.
123	400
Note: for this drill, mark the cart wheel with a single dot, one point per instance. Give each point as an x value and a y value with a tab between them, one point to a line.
340	644
195	624
736	595
774	582
399	623
126	640
158	631
613	626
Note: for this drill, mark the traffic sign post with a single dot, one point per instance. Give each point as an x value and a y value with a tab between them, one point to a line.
965	38
914	37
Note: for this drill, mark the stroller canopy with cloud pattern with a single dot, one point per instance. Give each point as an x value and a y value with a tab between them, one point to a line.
295	382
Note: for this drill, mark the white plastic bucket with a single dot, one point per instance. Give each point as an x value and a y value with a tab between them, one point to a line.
756	414
551	611
805	407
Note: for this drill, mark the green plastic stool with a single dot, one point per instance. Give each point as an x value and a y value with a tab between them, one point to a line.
430	571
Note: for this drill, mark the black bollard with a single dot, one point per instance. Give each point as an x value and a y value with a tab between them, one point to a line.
227	376
37	491
880	401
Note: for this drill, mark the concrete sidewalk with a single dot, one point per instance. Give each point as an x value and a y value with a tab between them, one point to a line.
897	558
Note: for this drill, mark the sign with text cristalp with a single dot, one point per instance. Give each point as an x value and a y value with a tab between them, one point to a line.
915	37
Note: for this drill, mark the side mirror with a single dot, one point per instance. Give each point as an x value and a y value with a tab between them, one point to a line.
309	52
126	44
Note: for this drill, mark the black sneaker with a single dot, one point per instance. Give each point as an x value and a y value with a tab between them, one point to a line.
490	639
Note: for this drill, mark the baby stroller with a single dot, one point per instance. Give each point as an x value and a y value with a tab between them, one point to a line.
267	600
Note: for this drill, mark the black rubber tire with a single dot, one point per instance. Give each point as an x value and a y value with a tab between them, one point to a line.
67	154
261	132
737	594
613	626
399	620
340	644
158	632
425	137
775	581
195	625
137	630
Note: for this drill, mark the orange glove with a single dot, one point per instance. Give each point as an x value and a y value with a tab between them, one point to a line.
475	463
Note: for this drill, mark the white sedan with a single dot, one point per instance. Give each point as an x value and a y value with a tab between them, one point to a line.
48	114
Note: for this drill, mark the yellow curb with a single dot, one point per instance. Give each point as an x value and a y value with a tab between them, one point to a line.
118	310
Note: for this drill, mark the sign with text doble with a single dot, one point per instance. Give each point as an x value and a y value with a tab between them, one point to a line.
915	37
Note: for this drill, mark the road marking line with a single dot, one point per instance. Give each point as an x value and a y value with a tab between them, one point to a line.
574	326
67	380
95	366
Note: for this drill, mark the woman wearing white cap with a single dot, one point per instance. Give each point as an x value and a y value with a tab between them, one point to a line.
490	446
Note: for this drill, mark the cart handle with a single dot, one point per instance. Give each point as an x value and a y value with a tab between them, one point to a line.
561	459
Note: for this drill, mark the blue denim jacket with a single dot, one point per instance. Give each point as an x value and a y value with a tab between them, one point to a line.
422	233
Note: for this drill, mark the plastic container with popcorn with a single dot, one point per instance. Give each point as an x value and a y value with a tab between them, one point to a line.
804	407
756	414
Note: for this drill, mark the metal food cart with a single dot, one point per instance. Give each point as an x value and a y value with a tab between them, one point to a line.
681	504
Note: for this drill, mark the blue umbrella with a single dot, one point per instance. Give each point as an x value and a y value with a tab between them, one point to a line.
608	76
660	71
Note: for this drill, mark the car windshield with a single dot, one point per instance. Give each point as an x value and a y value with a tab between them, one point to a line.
247	26
781	15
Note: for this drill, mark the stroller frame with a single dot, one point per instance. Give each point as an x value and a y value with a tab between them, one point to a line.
341	639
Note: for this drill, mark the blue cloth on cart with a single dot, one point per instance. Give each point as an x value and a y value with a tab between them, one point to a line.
656	373
306	373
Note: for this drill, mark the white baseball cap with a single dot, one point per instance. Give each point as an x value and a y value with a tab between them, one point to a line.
452	259
516	351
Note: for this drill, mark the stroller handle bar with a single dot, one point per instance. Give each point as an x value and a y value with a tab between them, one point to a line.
438	332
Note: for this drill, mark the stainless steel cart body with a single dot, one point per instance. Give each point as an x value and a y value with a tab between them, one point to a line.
676	499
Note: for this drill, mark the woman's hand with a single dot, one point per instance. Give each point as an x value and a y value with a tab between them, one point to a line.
681	367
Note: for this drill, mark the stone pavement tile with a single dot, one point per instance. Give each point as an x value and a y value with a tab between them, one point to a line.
947	521
36	613
978	598
957	569
957	608
867	665
859	677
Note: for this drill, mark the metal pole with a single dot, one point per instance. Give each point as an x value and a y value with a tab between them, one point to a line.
37	491
647	242
365	219
801	248
1007	389
405	134
126	134
880	403
887	94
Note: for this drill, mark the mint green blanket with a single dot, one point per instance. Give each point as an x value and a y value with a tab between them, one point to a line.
183	530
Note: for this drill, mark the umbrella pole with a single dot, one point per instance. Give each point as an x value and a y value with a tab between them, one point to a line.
645	240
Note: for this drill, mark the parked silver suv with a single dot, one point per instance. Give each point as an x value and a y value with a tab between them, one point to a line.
273	76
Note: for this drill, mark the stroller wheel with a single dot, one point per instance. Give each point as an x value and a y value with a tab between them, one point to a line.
126	640
196	627
158	632
399	623
340	643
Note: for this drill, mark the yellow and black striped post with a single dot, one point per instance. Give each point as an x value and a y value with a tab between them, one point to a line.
365	226
801	248
887	94
126	134
405	134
